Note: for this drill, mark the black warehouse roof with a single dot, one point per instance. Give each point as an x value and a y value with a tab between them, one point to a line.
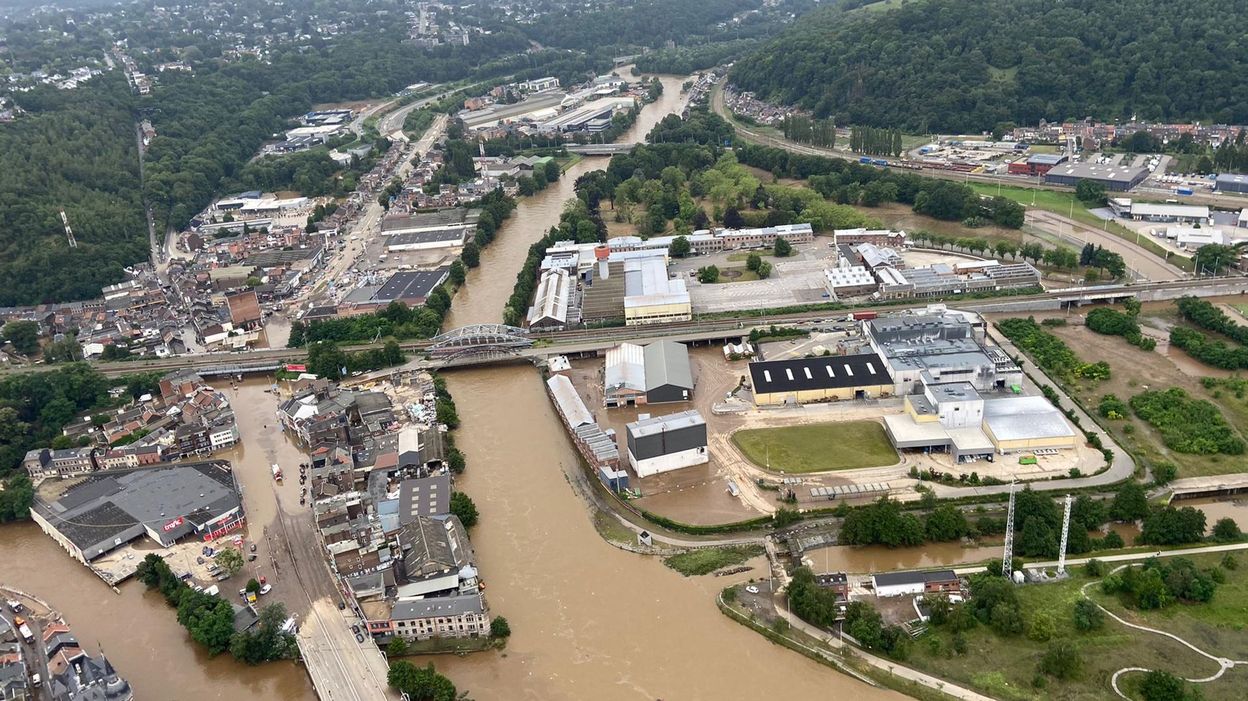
822	372
889	579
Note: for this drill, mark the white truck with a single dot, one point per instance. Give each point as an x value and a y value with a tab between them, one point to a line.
27	635
277	472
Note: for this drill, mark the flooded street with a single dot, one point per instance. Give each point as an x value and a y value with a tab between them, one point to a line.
136	629
590	621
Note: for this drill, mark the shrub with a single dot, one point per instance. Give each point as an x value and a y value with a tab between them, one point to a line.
1094	568
1061	659
1187	425
1088	616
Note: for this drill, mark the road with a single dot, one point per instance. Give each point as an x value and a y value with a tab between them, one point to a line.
34	655
1143	262
368	224
293	557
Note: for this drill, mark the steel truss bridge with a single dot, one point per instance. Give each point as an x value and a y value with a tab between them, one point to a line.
478	342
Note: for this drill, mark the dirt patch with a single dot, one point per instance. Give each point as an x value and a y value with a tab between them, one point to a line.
1134	371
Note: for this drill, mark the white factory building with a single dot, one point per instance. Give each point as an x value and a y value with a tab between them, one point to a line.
552	303
650	296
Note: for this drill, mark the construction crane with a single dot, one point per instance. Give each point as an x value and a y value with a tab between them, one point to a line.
69	233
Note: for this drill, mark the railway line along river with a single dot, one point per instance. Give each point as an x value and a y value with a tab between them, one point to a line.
589	621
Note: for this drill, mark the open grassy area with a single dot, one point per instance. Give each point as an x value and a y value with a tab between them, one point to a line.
740	257
1003	667
1220	626
735	274
817	447
707	560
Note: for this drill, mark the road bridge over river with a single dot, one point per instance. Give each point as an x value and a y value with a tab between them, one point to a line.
494	343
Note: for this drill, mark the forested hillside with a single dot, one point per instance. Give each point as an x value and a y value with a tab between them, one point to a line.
966	65
76	151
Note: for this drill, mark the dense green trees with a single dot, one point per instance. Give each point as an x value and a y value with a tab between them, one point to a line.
1112	322
849	182
24	335
1170	526
210	619
463	507
420	683
1158	583
962	67
76	151
34	407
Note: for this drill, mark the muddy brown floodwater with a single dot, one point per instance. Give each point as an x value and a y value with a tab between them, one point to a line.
590	621
487	288
138	632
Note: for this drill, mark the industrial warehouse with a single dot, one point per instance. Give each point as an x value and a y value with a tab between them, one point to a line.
819	379
657	373
947	373
167	503
1115	178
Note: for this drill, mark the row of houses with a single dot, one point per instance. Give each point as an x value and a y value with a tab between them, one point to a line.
188	419
381	491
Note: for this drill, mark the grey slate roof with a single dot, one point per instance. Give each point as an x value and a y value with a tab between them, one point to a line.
437	606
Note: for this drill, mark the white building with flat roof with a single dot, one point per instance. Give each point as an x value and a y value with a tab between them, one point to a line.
651	296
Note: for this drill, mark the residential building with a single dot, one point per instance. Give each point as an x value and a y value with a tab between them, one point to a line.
43	463
441	617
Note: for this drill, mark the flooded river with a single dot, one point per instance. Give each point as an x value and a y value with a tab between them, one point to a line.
136	629
590	621
481	300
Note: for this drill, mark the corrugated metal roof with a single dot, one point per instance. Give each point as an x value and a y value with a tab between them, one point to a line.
625	368
667	363
1023	418
569	402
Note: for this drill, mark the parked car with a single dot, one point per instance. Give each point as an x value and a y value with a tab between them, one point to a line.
266	589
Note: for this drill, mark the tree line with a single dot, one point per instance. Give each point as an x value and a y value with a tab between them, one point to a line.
963	66
804	129
849	182
1050	352
875	141
210	619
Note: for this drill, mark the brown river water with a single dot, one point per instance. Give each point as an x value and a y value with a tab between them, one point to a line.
589	621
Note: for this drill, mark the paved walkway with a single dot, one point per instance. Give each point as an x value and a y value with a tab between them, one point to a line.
1222	662
896	669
